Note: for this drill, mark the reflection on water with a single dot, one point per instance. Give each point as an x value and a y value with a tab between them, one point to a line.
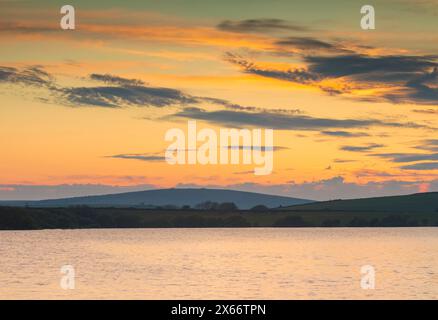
266	263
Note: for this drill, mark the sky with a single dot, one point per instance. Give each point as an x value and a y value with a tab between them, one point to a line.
85	111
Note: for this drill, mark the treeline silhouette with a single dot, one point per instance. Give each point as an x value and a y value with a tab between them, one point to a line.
26	218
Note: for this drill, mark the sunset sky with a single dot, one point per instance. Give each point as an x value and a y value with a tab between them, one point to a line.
85	111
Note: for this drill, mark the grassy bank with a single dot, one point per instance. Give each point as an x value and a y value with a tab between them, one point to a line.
22	218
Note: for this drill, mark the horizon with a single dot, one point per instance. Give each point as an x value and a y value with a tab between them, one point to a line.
138	189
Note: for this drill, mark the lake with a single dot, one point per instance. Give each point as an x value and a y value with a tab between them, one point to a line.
253	263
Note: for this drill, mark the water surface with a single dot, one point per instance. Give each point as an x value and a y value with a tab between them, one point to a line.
265	263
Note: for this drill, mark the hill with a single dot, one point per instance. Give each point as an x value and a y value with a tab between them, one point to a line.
167	197
418	202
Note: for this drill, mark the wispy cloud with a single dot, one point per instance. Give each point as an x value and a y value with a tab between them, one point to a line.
31	75
343	160
261	148
345	134
279	121
421	166
120	92
430	145
119	96
260	26
368	147
294	75
111	79
306	45
426	111
143	157
406	157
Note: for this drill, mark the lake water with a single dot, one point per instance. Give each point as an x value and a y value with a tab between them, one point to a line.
265	263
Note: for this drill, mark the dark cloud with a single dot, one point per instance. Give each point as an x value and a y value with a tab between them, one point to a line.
371	68
32	76
428	145
345	134
116	96
278	121
111	79
425	88
421	166
406	157
368	147
293	75
122	92
308	43
259	26
407	79
233	106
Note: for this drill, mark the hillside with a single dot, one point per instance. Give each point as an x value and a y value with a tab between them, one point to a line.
165	197
419	202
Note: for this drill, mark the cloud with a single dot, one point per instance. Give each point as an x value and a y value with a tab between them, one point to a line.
261	148
159	157
421	166
375	68
31	76
406	157
345	134
299	75
259	26
343	160
233	106
424	88
379	69
278	121
111	79
306	44
117	96
123	92
368	147
426	111
400	78
120	93
429	145
142	157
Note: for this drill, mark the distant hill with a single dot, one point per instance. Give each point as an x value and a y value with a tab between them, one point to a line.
165	197
418	202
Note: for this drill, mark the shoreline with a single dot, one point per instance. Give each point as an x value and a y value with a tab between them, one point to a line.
69	218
